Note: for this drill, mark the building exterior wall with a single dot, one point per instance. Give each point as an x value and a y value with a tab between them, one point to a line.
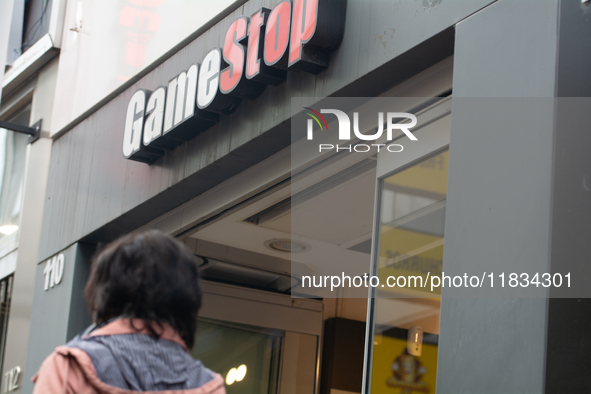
80	189
35	184
5	16
515	168
59	313
32	78
133	35
128	194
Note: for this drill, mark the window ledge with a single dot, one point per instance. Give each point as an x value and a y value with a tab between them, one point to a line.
8	244
29	63
8	264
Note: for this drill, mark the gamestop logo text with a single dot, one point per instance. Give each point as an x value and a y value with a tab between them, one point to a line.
256	51
392	122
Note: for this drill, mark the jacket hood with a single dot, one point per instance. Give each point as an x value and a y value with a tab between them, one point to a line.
129	359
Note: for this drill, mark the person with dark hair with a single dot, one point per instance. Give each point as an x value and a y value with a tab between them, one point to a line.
143	293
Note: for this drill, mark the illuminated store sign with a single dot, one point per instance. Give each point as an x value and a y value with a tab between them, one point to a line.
257	51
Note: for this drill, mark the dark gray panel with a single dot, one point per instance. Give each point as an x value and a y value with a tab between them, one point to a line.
58	313
510	50
499	195
568	340
98	194
574	73
569	345
79	317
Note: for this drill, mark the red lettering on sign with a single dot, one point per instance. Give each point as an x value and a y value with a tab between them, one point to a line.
277	33
303	27
233	55
253	62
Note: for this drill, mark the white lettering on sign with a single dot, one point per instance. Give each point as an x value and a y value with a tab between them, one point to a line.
53	271
11	379
134	123
155	113
257	51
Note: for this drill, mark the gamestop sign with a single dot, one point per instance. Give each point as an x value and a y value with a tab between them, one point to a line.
257	51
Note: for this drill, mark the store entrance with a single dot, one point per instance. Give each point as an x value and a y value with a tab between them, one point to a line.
252	249
259	233
403	329
259	341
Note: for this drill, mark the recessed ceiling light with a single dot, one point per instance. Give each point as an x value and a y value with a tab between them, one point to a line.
286	245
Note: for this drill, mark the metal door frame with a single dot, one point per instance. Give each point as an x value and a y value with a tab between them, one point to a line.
431	140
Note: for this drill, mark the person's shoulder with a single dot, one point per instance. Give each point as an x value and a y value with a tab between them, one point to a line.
83	343
202	374
51	366
213	386
59	370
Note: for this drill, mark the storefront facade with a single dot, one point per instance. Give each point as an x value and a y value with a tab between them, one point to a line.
220	177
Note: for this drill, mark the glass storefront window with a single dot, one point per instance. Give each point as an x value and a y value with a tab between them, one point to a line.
247	357
5	296
412	218
12	171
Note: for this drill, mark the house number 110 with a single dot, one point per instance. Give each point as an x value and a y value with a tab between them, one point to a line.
53	271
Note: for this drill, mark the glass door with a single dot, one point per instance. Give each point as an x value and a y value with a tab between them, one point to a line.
403	316
260	342
246	356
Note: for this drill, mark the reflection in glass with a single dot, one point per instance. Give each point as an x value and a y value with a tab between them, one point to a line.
246	357
412	218
12	171
411	225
